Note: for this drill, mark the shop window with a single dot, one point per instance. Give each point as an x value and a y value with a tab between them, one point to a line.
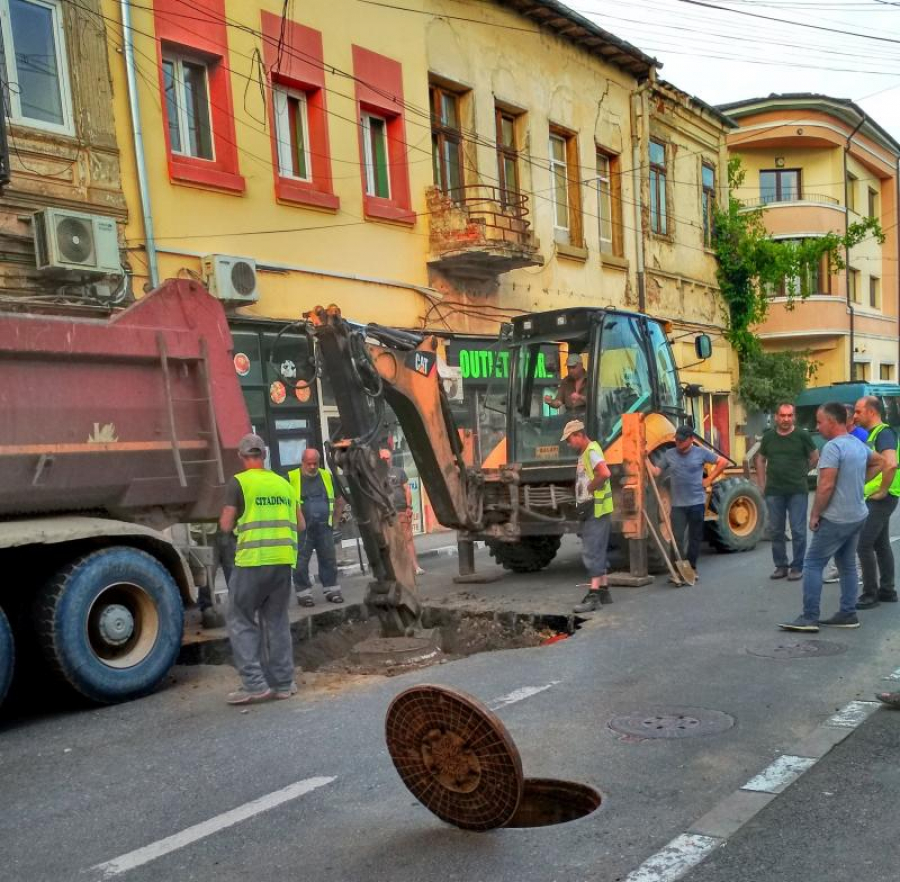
382	137
34	66
446	141
565	193
659	213
708	197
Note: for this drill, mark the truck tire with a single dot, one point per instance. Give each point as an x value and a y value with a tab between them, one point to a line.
7	655
528	555
740	515
110	624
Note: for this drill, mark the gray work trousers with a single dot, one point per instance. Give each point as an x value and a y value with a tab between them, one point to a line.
259	628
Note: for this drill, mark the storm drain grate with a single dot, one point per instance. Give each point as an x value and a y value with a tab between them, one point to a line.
672	722
798	649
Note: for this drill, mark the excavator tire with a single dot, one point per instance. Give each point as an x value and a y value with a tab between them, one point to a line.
7	655
740	515
528	555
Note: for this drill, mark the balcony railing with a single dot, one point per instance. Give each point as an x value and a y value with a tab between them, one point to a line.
766	201
480	231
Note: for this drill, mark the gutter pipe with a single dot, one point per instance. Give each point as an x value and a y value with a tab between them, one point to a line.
850	309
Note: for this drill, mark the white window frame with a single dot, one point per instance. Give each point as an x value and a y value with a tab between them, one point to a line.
62	65
369	158
555	166
605	200
178	60
280	94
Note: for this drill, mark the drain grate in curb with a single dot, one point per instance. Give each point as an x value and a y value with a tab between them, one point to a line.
789	649
672	722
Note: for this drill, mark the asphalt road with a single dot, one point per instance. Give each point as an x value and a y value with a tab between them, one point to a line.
179	786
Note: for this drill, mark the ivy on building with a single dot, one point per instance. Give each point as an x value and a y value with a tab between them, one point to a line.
752	268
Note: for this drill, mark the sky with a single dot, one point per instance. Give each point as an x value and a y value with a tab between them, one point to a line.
728	50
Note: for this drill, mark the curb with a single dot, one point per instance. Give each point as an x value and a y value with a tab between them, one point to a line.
354	569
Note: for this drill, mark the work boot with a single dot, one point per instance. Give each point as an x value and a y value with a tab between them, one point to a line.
867	601
780	573
889	596
795	575
605	595
590	603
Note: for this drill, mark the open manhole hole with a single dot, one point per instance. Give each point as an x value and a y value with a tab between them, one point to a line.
459	761
672	722
788	649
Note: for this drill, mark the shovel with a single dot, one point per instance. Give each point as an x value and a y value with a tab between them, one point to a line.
675	576
685	570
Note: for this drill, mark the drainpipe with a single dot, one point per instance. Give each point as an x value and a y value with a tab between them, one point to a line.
896	259
140	161
639	95
850	310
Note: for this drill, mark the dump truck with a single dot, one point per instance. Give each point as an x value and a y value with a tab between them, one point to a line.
114	429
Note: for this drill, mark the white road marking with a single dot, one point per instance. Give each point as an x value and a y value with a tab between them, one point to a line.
852	715
784	771
520	695
672	862
140	856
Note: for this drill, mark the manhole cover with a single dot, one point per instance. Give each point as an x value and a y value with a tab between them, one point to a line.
798	649
672	722
455	756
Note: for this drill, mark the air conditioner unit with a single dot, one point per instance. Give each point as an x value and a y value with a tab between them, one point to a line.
232	279
75	244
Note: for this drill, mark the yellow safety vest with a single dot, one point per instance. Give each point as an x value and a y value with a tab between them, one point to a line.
295	476
603	501
874	485
267	529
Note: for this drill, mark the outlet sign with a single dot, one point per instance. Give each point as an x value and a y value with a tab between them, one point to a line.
482	363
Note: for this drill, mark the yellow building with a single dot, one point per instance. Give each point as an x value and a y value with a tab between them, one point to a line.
817	164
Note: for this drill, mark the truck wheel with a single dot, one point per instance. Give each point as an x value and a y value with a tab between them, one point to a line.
528	555
7	655
110	624
740	515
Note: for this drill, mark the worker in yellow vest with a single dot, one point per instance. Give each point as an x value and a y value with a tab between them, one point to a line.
321	503
261	509
593	497
876	557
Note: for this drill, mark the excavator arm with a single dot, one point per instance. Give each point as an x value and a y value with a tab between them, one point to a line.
368	367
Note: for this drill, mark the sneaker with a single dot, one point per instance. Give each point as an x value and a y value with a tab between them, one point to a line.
841	620
795	575
334	596
305	598
887	596
283	694
832	575
420	571
590	603
780	573
242	696
866	601
800	624
891	699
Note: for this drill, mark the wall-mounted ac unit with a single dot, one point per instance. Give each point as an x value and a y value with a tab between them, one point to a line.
75	244
232	279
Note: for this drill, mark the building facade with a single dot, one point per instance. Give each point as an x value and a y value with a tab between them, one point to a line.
817	164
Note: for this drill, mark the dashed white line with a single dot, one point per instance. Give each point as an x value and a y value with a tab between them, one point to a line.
784	771
520	695
672	862
126	862
850	716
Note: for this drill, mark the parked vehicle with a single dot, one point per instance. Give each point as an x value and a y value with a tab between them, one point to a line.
809	401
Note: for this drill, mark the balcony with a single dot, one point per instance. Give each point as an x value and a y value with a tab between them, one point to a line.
804	199
480	232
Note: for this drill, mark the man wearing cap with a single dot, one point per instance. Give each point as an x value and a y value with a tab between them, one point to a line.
261	508
593	498
571	393
685	466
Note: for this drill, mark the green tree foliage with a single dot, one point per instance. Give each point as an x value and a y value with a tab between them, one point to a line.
768	378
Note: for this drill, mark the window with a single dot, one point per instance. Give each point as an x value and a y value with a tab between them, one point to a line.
852	182
446	141
886	373
659	221
860	372
374	130
779	185
507	158
187	107
708	196
292	133
604	203
873	203
853	292
624	382
874	292
35	69
565	195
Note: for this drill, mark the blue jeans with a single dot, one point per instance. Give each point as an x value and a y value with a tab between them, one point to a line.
319	538
793	508
838	541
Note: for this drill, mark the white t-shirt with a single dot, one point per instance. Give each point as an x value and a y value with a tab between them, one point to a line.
582	478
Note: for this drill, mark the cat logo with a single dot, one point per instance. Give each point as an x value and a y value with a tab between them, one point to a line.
421	362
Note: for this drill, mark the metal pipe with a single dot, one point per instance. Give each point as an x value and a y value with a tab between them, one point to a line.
850	309
636	147
139	159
